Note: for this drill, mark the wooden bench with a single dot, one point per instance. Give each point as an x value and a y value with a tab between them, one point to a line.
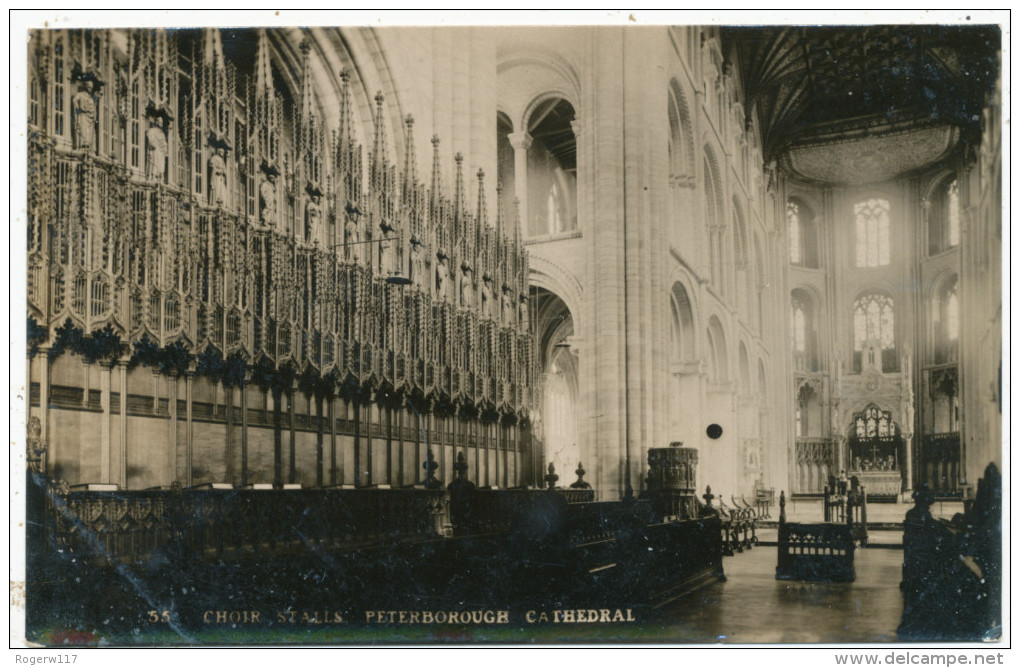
814	552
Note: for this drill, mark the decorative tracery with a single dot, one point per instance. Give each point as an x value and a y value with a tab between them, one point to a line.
176	201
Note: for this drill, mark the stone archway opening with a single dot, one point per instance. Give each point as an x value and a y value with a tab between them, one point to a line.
555	424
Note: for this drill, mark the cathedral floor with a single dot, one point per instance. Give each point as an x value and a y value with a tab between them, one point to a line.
752	607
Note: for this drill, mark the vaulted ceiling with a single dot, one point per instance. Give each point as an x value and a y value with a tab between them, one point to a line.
814	85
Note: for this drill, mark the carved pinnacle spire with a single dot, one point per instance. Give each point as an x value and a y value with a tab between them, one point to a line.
379	142
436	179
263	71
410	175
459	204
482	214
499	211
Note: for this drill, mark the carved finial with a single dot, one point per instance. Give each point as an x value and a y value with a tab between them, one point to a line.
379	98
460	481
580	483
461	465
551	477
708	496
430	465
782	507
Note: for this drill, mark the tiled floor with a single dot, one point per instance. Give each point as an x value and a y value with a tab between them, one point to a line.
753	607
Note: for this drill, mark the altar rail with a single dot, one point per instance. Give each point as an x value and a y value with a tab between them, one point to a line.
952	570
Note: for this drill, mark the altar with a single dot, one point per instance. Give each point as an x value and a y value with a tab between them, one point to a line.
881	484
876	453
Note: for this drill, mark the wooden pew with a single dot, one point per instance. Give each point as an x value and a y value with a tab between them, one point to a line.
952	570
815	552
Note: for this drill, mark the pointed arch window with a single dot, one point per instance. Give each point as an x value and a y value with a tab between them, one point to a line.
947	322
874	333
802	328
871	226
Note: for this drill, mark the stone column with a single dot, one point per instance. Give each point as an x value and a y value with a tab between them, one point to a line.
172	431
521	142
189	434
908	461
44	408
120	468
106	449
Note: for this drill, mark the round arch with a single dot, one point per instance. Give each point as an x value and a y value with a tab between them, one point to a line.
718	358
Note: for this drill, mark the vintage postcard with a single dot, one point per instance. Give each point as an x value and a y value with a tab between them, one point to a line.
664	329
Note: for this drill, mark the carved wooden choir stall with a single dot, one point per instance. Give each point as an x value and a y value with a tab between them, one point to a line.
952	570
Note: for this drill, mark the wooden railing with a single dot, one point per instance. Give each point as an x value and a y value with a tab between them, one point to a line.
131	526
843	497
814	552
516	547
952	570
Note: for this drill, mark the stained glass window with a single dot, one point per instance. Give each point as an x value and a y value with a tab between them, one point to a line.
872	232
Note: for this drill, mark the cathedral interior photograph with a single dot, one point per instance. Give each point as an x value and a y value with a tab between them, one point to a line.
683	334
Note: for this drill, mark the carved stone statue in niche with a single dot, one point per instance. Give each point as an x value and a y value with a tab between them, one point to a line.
486	295
467	287
267	200
313	214
442	275
352	237
218	177
417	261
522	310
156	151
387	252
507	315
83	108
